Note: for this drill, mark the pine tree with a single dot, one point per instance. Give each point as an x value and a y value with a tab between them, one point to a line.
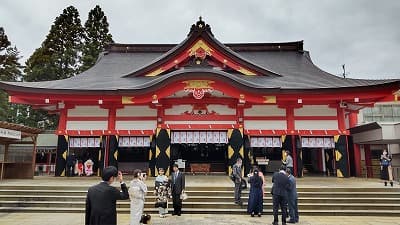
10	70
96	38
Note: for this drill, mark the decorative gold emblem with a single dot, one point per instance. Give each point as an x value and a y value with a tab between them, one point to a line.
127	100
198	87
200	45
269	99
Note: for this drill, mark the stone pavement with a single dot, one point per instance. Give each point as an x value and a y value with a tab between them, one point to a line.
207	219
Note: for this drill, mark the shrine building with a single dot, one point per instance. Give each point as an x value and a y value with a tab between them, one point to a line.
207	103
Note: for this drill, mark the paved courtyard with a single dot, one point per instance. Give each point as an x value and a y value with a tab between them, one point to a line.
123	219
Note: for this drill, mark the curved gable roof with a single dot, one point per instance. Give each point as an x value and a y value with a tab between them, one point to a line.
121	67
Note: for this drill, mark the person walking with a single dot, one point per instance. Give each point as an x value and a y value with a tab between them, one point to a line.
255	202
162	191
101	199
292	199
177	188
137	193
279	194
386	168
237	173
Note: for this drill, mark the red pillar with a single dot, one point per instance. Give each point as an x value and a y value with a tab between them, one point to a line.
353	120
368	163
62	122
112	114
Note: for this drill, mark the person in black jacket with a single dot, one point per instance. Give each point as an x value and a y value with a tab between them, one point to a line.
177	187
280	186
101	199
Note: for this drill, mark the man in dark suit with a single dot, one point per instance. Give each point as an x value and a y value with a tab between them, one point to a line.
101	199
280	186
237	173
177	187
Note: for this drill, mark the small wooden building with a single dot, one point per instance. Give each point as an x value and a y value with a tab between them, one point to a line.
14	165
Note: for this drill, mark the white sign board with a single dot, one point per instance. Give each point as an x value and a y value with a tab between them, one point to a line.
14	134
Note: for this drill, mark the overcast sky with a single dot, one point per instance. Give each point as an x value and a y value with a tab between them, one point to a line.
363	34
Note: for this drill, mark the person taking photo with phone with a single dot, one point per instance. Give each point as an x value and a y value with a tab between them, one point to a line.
101	199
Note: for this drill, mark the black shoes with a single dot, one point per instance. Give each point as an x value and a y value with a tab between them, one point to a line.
239	203
259	215
291	221
252	214
391	183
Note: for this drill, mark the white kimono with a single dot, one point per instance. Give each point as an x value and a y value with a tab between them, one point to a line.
137	192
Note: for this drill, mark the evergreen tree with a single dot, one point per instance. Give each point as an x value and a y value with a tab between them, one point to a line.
59	55
10	70
96	38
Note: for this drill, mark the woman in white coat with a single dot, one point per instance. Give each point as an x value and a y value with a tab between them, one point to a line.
137	193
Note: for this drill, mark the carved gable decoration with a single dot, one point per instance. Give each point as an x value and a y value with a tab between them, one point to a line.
201	49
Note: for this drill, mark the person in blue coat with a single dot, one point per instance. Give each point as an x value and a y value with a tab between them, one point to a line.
255	203
292	199
280	186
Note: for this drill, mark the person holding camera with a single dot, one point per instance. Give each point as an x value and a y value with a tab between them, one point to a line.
137	193
101	199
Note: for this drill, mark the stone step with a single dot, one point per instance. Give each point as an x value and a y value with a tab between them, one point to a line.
84	188
336	194
374	212
151	198
208	205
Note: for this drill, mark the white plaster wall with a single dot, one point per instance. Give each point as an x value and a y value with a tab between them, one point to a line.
264	110
87	111
265	125
315	110
394	149
316	125
200	122
136	125
221	109
87	125
136	111
178	109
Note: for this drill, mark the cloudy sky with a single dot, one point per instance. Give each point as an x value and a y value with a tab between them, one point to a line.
363	34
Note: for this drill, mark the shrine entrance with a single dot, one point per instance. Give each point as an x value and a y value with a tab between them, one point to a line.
203	152
133	153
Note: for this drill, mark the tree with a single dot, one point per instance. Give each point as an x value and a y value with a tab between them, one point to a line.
59	54
57	58
96	38
10	70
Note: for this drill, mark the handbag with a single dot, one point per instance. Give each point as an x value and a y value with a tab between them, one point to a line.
183	196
